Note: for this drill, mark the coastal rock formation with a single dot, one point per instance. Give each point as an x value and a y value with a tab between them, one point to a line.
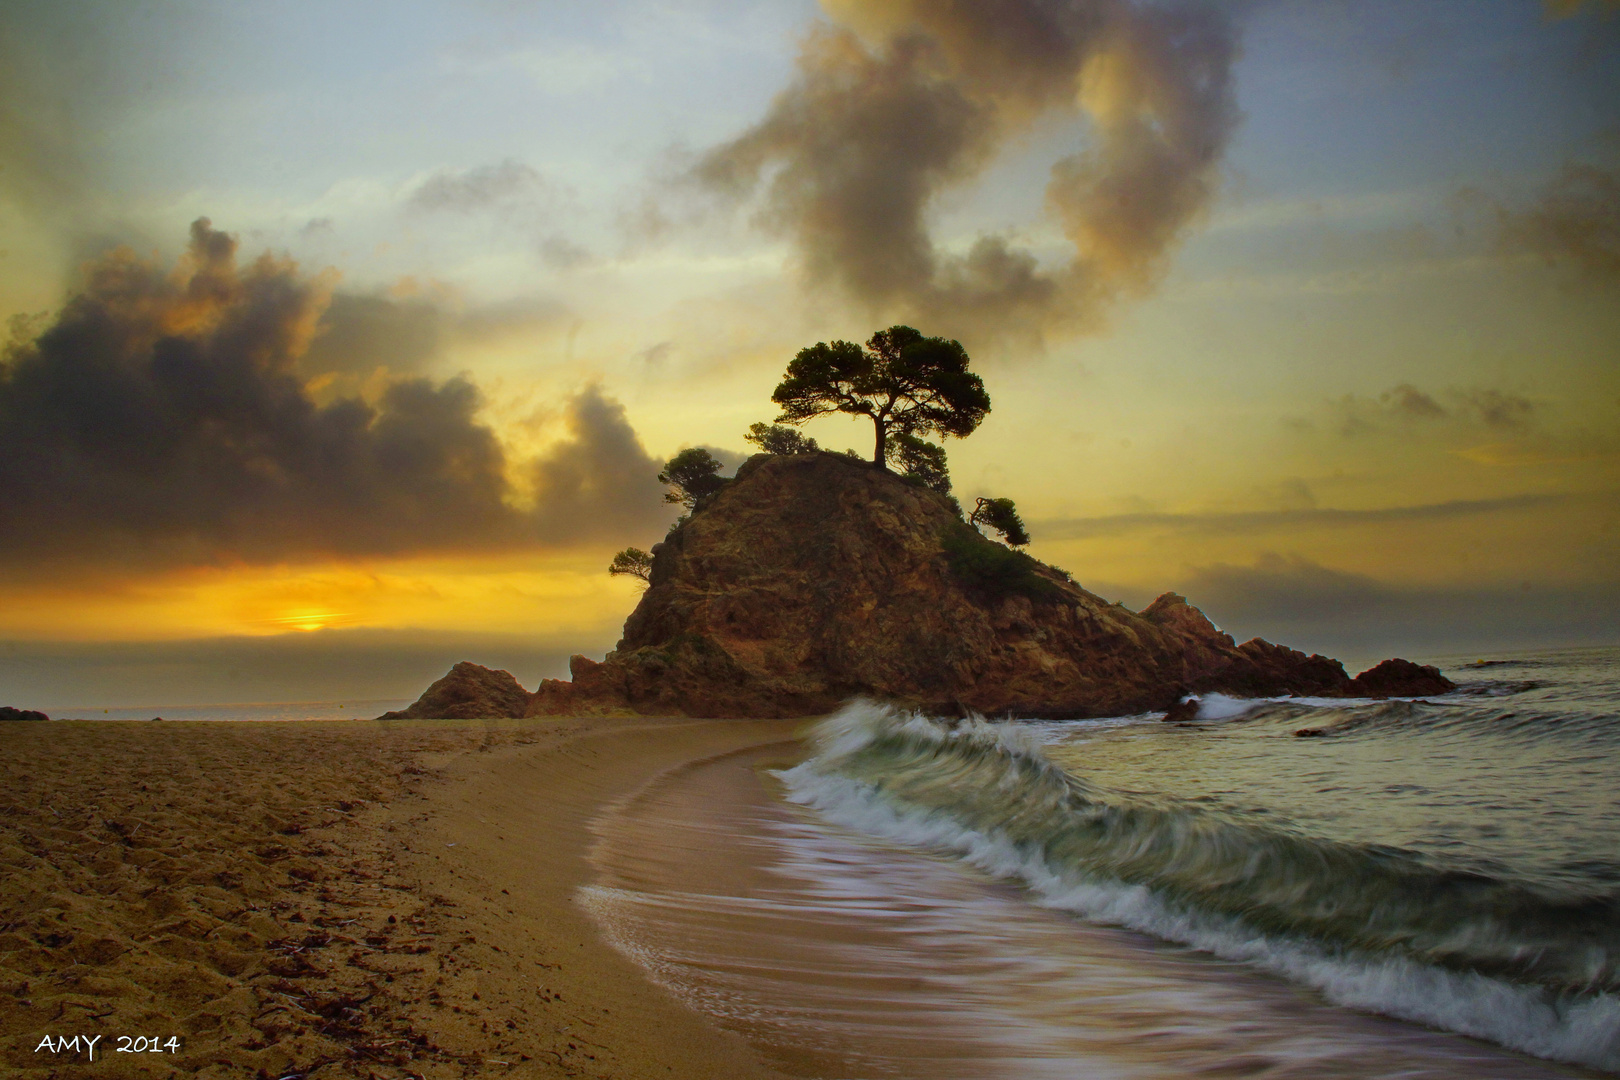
813	578
9	713
1400	678
468	692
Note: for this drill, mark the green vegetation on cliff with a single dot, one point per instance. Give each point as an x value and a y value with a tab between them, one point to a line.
992	571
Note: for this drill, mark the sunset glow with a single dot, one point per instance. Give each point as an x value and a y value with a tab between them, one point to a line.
1307	311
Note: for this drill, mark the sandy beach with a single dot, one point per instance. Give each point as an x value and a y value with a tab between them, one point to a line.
370	899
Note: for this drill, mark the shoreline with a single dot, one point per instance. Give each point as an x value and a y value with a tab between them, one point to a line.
359	898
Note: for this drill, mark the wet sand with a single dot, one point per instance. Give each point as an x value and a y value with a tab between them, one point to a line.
369	899
840	954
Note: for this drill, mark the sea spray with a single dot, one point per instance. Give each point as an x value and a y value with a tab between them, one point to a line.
1370	926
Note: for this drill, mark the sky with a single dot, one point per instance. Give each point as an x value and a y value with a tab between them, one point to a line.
343	346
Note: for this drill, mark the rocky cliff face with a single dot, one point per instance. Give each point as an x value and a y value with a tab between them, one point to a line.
813	578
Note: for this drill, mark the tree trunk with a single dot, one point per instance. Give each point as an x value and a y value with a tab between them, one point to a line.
879	452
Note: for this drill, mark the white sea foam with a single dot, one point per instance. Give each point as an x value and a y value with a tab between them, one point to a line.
1217	706
1584	1031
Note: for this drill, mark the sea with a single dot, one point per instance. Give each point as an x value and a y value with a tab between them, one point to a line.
1284	887
351	709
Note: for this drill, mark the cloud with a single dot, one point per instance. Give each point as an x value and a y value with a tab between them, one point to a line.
1498	409
729	460
561	253
513	192
1284	587
163	419
487	187
902	100
1406	408
1264	520
1482	425
359	334
1408	400
1292	600
1574	223
599	481
408	328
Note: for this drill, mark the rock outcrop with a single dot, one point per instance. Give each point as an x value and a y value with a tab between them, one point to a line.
1400	678
9	713
813	578
468	692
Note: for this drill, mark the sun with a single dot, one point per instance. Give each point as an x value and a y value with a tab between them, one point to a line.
309	620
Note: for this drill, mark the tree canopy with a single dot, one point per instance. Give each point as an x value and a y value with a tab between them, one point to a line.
902	381
632	562
693	475
921	461
776	439
1002	516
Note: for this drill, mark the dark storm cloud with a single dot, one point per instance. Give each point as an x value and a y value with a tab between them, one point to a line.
163	419
360	334
904	100
598	482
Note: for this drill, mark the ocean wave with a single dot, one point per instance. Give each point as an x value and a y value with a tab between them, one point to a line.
1470	714
1375	928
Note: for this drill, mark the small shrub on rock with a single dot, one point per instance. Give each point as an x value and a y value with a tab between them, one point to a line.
984	566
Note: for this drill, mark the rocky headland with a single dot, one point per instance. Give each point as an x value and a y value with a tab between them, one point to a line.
813	578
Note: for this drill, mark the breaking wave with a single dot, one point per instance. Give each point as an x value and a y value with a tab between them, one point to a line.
1373	927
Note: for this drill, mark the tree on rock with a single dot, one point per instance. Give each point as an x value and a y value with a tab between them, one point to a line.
921	461
632	562
776	439
903	382
693	475
1002	516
